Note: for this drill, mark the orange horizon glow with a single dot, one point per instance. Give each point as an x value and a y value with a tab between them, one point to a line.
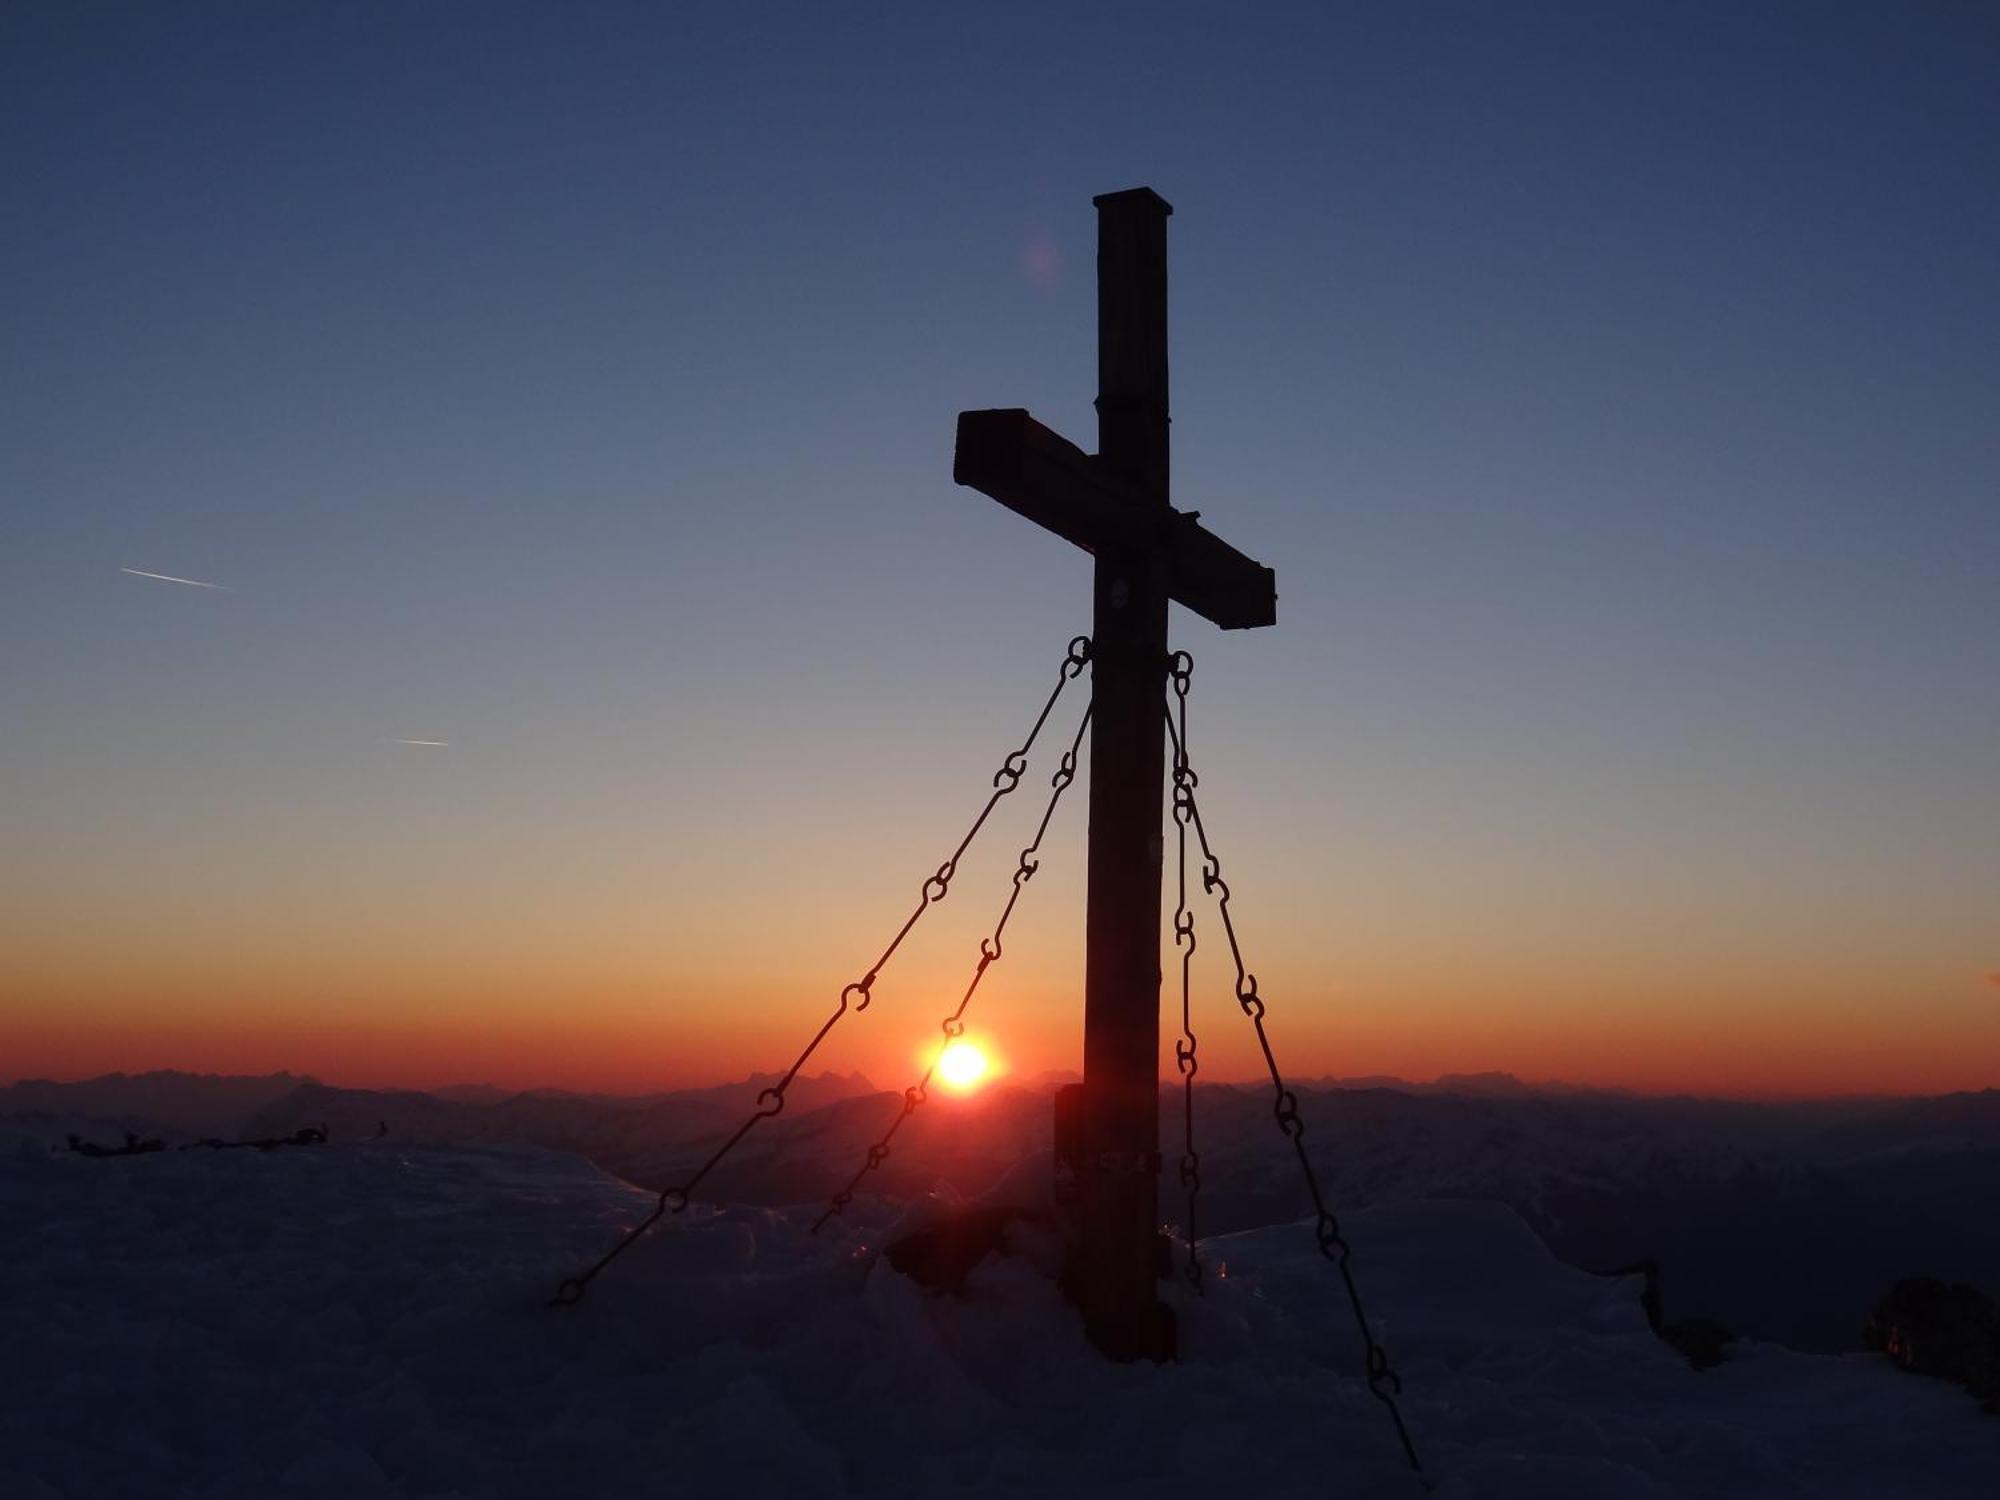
597	973
635	1048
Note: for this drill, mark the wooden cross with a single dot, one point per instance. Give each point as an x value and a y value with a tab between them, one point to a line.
1115	505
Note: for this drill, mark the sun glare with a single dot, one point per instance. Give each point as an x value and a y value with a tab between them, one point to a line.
961	1066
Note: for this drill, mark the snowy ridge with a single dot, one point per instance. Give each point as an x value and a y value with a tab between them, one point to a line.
1784	1221
367	1320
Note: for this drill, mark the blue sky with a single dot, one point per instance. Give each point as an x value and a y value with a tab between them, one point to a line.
1612	387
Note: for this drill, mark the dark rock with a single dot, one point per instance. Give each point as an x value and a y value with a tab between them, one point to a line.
1949	1331
133	1146
1703	1341
943	1253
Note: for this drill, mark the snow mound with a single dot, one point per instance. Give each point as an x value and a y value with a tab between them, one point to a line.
369	1320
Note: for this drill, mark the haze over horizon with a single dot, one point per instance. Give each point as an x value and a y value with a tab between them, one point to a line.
484	595
1490	1082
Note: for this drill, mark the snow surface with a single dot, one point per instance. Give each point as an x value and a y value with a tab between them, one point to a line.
368	1320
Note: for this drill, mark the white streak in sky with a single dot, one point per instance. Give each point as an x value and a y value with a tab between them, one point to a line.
193	583
432	744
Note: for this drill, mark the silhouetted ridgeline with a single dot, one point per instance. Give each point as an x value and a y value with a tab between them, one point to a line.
1786	1221
198	1103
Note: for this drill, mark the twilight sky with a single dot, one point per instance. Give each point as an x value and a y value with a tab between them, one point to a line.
1615	388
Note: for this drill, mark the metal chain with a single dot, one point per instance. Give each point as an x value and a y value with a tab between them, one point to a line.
1383	1382
855	997
989	954
1180	667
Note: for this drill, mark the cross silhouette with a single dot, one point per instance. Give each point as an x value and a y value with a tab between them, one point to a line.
1115	505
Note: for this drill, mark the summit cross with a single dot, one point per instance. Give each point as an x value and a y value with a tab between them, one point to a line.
1115	504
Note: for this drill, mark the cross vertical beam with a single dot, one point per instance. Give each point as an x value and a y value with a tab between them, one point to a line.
1114	1255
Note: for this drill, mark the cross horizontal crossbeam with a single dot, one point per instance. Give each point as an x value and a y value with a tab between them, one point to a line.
1007	454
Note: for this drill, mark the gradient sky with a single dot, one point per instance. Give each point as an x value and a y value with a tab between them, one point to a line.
1615	388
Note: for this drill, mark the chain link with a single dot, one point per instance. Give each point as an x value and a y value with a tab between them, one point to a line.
989	954
1180	669
1383	1382
771	1101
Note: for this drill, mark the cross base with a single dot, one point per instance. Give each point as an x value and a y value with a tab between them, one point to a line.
1121	1328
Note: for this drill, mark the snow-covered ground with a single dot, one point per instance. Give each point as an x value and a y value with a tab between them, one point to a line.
361	1320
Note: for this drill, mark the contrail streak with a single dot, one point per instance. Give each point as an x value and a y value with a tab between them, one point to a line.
193	583
434	744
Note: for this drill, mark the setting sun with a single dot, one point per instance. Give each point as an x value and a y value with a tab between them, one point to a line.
961	1066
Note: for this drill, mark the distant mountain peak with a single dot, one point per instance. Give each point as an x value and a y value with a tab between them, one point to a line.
1489	1084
